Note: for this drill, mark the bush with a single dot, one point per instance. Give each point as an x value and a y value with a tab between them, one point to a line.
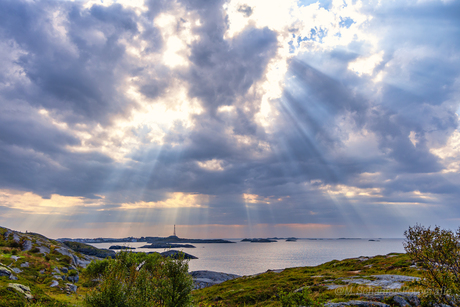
295	299
138	279
34	250
73	273
437	253
14	244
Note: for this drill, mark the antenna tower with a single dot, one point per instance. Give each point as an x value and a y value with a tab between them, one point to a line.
174	230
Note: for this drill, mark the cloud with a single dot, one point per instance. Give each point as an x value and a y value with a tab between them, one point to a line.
331	116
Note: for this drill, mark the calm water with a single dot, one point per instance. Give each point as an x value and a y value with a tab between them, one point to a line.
245	258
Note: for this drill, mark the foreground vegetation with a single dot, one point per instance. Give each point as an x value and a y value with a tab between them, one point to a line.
265	289
139	279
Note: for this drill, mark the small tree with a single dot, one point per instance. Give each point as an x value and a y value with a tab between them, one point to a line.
138	280
437	253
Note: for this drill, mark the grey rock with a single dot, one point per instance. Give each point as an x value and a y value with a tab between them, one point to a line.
203	279
299	290
398	278
55	283
24	265
64	270
16	270
71	288
24	290
413	298
16	237
400	301
4	271
67	252
56	270
84	263
357	303
385	281
71	267
63	277
7	234
73	279
27	245
42	271
44	250
12	277
410	298
333	286
15	258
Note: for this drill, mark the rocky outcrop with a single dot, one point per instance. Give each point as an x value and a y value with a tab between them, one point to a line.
89	250
401	299
33	241
27	245
358	304
21	289
203	279
70	288
177	254
387	282
5	271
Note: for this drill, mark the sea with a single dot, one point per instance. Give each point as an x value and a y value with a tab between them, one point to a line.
246	258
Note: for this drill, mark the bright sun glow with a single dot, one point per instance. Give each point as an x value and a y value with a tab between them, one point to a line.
174	200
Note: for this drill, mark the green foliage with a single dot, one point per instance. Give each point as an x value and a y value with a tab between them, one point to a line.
73	273
295	299
139	279
34	250
65	260
437	253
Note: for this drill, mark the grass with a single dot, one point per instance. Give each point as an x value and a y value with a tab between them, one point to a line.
262	290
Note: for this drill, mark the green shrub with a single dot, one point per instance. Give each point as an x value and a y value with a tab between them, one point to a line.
295	299
35	250
14	244
138	279
73	273
437	253
65	260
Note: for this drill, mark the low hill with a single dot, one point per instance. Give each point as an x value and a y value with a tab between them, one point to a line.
35	269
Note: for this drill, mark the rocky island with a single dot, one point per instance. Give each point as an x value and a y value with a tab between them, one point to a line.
120	247
176	239
167	245
259	240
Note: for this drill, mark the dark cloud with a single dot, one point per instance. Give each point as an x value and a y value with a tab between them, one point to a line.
334	131
224	70
76	71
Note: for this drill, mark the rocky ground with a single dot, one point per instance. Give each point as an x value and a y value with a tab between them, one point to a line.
205	279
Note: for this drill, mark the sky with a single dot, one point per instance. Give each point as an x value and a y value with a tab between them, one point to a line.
230	119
